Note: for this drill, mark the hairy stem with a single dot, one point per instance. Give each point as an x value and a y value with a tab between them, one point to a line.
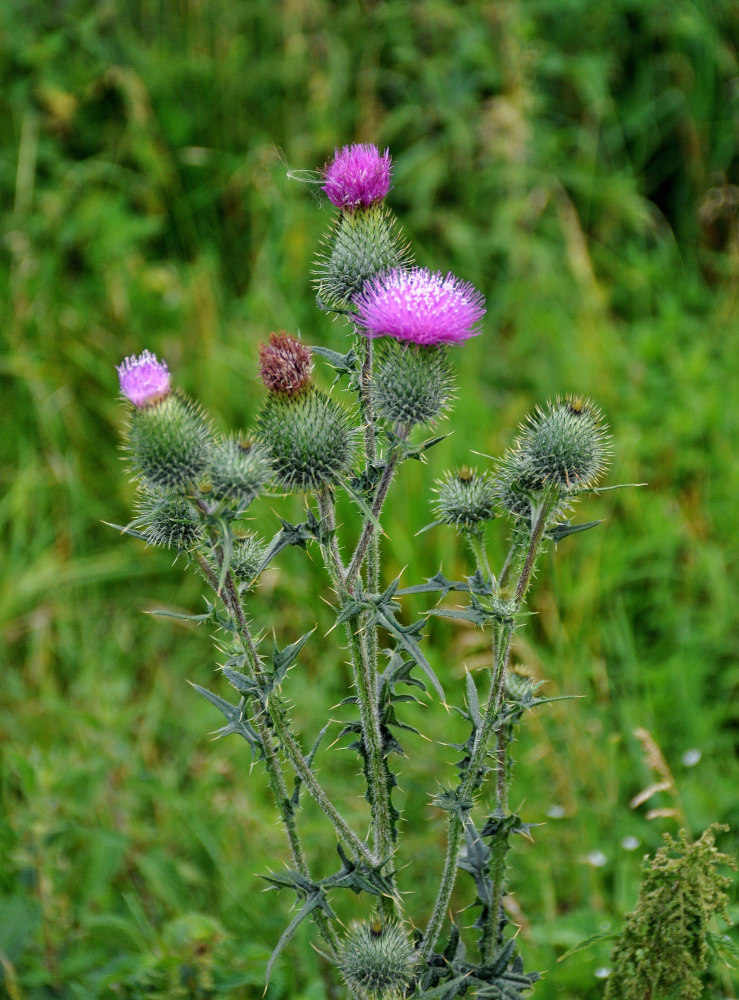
476	767
271	760
369	530
365	682
289	745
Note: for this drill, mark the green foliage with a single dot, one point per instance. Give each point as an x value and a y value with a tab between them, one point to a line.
663	947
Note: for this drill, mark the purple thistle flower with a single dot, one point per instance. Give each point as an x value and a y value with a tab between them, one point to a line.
419	306
144	379
357	175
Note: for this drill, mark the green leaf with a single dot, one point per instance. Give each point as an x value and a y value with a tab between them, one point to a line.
362	504
315	901
282	659
587	942
559	531
451	988
126	530
473	702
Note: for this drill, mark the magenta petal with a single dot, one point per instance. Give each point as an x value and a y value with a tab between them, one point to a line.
143	379
420	306
357	175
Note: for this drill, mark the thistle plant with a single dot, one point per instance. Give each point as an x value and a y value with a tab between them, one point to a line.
402	327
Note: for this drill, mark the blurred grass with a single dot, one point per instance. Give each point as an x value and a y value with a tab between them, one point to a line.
578	162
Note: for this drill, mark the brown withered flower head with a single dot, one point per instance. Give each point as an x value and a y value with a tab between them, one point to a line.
285	365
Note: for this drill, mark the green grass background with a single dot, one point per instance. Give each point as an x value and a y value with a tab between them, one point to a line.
578	162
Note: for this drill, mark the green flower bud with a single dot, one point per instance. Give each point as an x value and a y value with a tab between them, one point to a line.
361	244
168	520
238	469
246	558
514	494
169	442
378	959
564	447
411	384
465	499
309	438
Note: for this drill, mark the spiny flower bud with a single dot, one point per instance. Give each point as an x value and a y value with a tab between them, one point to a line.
410	384
465	499
246	558
144	380
357	175
420	306
238	469
309	438
564	446
285	365
169	520
378	959
360	245
513	493
169	443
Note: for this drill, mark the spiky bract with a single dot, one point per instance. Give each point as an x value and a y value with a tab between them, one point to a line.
169	520
309	438
169	443
565	445
377	961
360	245
357	175
420	306
466	499
239	469
410	384
285	364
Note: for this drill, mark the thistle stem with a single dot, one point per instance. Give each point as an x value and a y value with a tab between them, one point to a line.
271	760
477	544
289	745
369	529
365	682
476	767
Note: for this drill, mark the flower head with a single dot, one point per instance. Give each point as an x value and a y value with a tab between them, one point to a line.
285	364
143	379
357	175
419	306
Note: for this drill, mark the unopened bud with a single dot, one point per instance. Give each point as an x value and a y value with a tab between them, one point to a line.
239	469
564	446
378	960
246	558
168	520
465	499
